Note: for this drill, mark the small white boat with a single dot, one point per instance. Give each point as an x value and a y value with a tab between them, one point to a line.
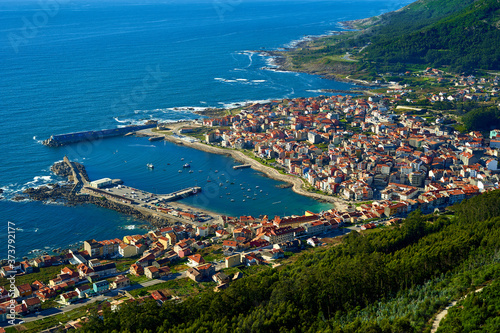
191	171
150	165
180	171
232	200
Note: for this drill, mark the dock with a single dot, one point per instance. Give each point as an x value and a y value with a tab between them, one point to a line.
243	166
180	194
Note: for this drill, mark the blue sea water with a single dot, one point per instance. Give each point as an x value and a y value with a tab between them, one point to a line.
82	65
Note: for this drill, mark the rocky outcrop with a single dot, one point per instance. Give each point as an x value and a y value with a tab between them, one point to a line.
62	169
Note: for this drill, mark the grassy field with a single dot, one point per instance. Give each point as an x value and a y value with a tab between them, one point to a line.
178	287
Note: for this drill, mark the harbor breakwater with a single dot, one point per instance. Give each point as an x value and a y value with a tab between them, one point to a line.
63	193
63	139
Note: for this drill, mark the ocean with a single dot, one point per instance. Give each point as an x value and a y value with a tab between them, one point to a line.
72	65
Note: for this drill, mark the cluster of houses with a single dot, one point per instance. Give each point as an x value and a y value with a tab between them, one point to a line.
358	149
354	148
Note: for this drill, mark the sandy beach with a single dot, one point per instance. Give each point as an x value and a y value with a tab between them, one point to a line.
298	183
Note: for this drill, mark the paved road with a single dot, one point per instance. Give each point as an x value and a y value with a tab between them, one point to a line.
56	311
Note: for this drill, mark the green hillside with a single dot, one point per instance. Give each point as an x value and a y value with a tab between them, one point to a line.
460	34
464	40
392	280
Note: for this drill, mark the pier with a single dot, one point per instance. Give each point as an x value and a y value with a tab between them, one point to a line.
64	139
180	194
236	167
78	178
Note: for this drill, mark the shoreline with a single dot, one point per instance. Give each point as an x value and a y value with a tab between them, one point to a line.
297	183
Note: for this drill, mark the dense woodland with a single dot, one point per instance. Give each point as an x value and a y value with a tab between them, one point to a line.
460	34
477	312
464	41
481	119
391	280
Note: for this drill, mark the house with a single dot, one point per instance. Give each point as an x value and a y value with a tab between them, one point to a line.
195	260
94	248
126	250
313	241
33	304
136	270
84	290
105	270
100	286
85	271
201	273
45	293
151	272
120	282
23	290
230	244
69	297
202	231
146	260
4	294
163	271
273	254
220	278
160	296
232	261
7	271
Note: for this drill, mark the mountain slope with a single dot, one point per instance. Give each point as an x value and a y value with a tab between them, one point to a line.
384	281
464	40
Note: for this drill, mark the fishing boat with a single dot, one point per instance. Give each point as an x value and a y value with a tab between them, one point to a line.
180	171
150	165
182	159
216	171
191	171
187	165
232	200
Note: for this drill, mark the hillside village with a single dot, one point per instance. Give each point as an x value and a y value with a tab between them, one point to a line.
384	160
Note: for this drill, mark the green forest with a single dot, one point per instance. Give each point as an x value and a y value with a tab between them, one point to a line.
462	35
464	41
391	280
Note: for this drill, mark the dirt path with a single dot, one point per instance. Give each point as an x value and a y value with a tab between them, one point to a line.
442	314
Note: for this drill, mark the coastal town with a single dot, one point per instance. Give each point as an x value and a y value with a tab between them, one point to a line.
376	157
